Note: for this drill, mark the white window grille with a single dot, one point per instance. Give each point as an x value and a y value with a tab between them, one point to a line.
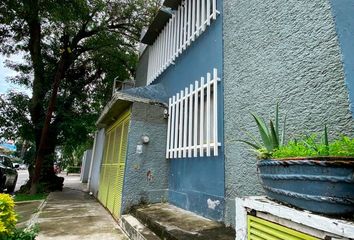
192	129
186	24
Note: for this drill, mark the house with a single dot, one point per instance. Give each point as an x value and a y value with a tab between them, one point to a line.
205	65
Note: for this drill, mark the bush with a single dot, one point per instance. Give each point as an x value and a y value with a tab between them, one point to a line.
23	234
8	222
7	215
312	146
73	169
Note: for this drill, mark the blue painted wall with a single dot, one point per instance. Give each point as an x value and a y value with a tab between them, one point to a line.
343	12
192	181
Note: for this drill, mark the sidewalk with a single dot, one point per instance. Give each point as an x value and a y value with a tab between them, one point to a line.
73	214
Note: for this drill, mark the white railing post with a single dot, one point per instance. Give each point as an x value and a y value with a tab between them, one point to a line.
180	129
215	111
168	147
214	9
190	120
208	125
176	127
198	17
208	12
185	123
196	110
201	120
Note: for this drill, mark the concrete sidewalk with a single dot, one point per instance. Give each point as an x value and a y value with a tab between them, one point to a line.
73	214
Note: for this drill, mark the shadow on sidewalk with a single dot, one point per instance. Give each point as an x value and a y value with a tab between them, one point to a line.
74	214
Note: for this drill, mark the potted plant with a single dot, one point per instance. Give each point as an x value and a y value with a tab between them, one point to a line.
310	173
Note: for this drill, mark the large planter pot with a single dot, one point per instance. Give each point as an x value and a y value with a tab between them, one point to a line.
322	185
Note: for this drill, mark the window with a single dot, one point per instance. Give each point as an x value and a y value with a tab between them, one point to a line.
186	24
193	125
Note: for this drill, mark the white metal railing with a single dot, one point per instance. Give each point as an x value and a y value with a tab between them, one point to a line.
193	121
186	24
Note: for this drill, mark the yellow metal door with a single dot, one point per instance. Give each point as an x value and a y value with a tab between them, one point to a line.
113	165
260	229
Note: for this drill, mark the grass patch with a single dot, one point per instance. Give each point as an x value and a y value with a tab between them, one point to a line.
27	197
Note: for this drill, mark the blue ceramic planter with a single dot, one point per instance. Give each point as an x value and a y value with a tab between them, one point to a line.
322	185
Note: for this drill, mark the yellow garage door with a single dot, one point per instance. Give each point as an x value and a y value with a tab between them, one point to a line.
261	229
113	164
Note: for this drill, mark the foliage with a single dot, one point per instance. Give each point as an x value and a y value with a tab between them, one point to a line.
7	215
271	136
100	38
313	146
14	120
19	197
72	169
24	234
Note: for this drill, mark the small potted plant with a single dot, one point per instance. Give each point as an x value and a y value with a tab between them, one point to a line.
310	173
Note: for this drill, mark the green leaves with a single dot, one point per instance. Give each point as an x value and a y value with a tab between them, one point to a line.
314	146
269	135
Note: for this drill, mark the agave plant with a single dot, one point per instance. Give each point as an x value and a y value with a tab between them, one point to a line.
271	139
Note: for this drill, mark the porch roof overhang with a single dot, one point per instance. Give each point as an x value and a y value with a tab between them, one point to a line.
121	100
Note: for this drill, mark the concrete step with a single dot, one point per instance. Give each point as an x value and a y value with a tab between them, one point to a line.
172	223
135	229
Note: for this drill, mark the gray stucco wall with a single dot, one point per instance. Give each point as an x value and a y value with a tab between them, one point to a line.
141	69
97	153
284	51
146	173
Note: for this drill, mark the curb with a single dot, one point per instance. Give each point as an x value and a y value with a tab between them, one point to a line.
34	219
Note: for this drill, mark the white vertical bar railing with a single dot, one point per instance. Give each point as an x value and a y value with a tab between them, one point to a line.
193	20
190	122
176	127
168	146
214	12
201	119
185	28
195	132
203	15
193	124
208	108
198	17
185	123
172	126
186	24
189	21
181	31
215	111
178	30
208	11
180	128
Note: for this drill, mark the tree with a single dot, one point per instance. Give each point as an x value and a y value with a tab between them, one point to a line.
73	50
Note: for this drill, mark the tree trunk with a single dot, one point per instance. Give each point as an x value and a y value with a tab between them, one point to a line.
41	153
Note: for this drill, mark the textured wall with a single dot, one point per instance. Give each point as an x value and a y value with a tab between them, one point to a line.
146	174
141	69
284	51
97	153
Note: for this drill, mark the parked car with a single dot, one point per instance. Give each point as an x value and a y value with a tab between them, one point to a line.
8	174
23	166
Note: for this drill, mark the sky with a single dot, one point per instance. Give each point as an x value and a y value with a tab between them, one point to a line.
5	72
